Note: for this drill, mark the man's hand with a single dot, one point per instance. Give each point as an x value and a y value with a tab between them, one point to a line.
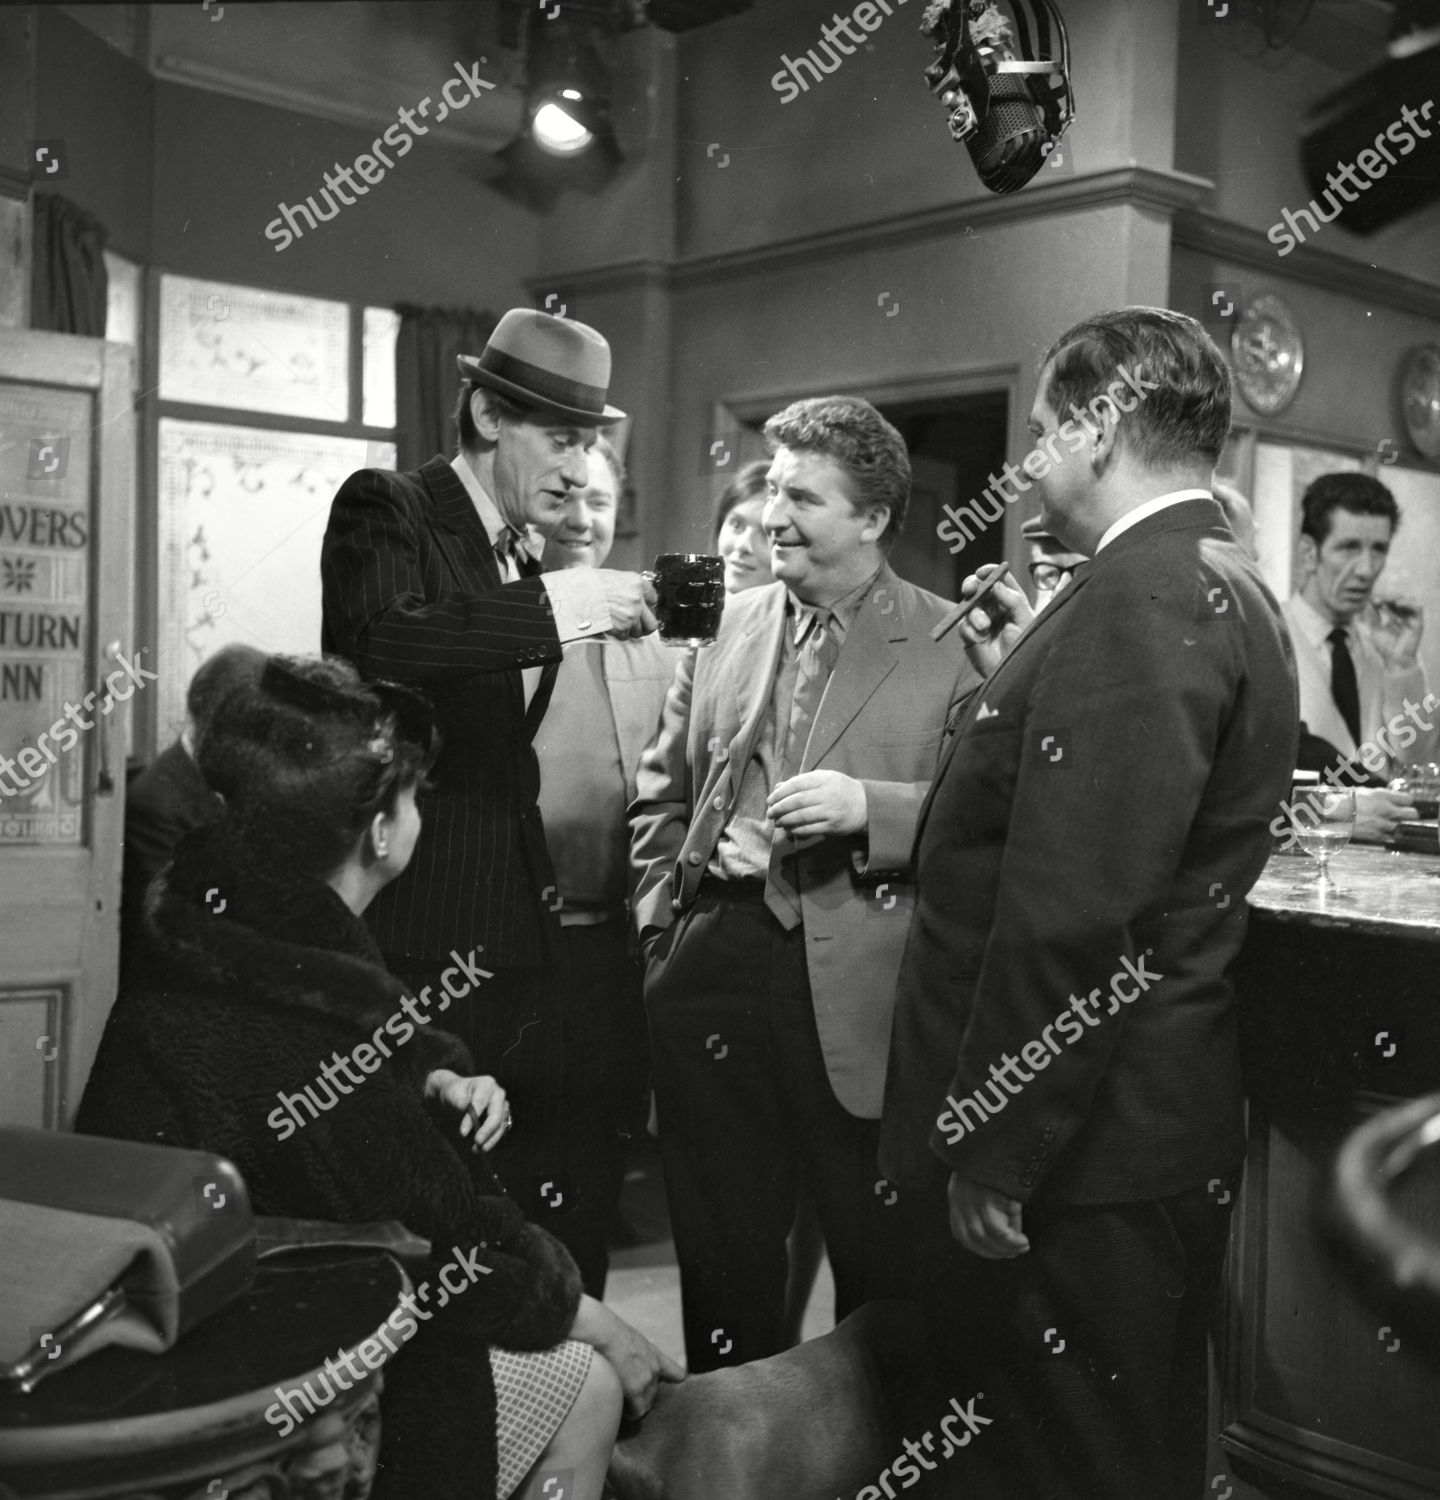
1377	812
639	1364
986	1222
631	600
479	1101
990	632
651	938
1397	637
818	802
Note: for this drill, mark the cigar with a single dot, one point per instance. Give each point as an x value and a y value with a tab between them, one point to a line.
961	610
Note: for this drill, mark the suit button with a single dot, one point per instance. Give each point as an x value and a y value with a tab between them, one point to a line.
718	804
694	857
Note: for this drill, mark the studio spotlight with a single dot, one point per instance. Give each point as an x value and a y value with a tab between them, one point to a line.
1007	97
1353	130
558	131
567	139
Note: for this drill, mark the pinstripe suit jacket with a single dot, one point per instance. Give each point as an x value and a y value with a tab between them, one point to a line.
412	592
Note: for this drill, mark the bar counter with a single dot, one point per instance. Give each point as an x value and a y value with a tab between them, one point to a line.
1379	891
1322	1387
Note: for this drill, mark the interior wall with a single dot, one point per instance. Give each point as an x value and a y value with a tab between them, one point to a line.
100	106
869	141
1349	391
187	180
1239	124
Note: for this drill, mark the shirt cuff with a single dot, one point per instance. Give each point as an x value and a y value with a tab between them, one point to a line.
578	602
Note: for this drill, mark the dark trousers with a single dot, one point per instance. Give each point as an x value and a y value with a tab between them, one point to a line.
567	1045
746	1111
605	1094
1090	1348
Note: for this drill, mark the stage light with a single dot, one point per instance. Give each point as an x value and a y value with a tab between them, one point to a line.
1007	98
567	139
555	130
1384	107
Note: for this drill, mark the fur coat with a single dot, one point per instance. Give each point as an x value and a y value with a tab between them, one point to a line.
234	1001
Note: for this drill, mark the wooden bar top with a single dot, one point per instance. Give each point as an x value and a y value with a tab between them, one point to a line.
1379	892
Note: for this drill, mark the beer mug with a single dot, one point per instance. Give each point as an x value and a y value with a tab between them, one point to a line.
690	590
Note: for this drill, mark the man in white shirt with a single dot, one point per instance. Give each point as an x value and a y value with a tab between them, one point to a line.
1362	688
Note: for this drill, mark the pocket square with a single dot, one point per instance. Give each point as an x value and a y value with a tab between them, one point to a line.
986	712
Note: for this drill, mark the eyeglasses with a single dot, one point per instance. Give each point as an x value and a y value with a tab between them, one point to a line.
1050	576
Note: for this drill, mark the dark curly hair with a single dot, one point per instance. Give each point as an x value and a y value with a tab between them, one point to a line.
1185	420
1358	493
869	450
305	753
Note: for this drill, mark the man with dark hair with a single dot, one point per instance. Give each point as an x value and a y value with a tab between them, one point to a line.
1356	658
429	579
1064	1093
771	838
169	797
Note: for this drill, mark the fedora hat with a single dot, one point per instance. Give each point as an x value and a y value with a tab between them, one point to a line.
556	365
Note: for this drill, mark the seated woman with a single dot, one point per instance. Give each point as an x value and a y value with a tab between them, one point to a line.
254	974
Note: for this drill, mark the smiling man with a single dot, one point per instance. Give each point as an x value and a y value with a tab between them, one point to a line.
771	841
428	579
604	711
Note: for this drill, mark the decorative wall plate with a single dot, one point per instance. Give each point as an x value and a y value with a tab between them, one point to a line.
1268	354
1420	398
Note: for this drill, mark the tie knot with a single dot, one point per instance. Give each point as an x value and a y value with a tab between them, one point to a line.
1339	637
812	624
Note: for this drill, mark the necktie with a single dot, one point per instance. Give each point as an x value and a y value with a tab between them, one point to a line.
508	556
515	562
813	666
1344	687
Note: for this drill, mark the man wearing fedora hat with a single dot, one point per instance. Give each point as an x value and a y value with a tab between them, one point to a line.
429	579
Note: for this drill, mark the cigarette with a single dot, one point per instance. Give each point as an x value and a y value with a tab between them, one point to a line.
961	610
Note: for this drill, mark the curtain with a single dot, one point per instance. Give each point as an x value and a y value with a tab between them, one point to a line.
426	379
68	282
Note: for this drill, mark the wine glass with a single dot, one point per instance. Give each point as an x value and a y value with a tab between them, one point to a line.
1323	818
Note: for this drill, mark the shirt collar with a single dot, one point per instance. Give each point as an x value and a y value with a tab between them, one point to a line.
496	526
1311	623
1150	507
841	613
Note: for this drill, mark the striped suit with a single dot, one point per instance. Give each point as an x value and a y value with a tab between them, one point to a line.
412	592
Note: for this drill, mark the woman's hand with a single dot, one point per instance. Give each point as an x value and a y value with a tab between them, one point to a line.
480	1102
639	1364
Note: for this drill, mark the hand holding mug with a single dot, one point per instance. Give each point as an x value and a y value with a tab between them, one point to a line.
630	598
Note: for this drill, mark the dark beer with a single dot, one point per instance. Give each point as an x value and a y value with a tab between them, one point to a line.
691	597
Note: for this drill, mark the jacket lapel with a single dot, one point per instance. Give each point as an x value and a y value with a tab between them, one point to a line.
461	539
982	693
753	690
866	659
458	531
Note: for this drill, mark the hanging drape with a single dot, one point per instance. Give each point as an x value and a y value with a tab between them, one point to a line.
426	379
68	281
